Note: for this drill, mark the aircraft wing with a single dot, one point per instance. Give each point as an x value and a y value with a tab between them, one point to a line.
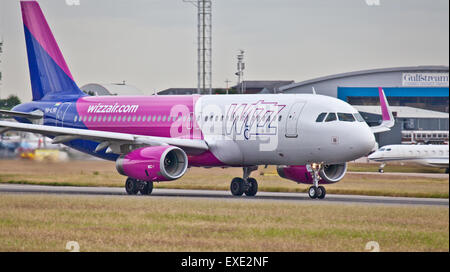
108	140
31	116
386	113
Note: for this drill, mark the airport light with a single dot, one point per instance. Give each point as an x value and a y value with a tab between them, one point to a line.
1	51
240	71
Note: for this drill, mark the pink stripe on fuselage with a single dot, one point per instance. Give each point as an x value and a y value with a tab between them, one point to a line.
160	116
35	22
149	116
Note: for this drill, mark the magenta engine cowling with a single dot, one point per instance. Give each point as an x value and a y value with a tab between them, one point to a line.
300	174
154	163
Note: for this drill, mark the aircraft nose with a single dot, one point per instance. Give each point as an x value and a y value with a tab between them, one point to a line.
367	142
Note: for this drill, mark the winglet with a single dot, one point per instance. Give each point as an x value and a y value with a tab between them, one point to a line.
386	113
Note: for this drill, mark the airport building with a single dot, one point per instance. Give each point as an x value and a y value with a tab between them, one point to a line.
425	87
419	98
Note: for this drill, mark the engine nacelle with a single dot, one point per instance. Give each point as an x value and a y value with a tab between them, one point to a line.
299	173
154	163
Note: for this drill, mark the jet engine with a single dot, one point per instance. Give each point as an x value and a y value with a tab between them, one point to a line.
154	163
301	174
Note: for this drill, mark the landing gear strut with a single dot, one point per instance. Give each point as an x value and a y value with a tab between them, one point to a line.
133	186
316	191
381	168
246	185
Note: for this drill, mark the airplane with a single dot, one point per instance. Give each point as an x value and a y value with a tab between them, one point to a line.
157	138
428	155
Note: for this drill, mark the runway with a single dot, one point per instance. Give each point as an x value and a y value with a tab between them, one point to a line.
224	195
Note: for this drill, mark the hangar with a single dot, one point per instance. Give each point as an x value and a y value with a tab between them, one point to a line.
418	95
425	87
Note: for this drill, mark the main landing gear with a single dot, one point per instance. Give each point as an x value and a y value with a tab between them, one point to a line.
134	186
245	185
316	191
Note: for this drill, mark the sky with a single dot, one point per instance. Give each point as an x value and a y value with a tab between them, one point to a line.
151	44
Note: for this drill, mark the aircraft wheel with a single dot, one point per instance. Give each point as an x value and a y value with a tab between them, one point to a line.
237	187
131	186
147	189
313	192
252	187
381	170
321	192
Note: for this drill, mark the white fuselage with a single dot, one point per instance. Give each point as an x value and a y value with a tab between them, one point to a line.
281	129
430	155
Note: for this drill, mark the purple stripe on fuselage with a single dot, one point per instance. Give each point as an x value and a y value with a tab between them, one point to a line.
35	22
160	116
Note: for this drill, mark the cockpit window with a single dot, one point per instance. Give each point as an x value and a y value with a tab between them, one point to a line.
346	117
331	117
382	149
321	117
389	149
359	117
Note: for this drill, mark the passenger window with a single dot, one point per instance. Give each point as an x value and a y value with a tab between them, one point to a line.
331	117
321	117
346	117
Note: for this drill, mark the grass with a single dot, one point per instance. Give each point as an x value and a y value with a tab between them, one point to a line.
103	173
47	223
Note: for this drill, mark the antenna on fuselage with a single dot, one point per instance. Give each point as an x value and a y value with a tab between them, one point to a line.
314	91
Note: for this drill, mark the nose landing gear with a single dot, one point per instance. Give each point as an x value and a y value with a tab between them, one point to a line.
316	191
246	185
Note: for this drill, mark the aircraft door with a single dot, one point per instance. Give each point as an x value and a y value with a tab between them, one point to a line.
293	119
61	113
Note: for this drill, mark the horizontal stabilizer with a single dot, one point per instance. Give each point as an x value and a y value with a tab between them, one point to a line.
30	116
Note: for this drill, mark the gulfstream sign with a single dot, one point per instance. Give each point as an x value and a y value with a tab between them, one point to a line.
425	79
